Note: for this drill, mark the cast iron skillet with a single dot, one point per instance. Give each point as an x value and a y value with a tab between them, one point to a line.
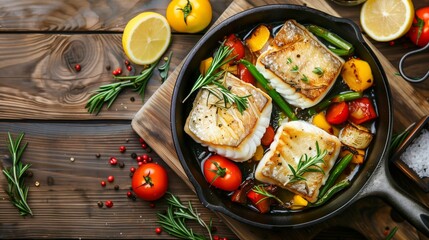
372	179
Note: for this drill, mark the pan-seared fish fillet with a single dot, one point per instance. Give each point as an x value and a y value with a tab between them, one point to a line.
293	140
225	130
299	66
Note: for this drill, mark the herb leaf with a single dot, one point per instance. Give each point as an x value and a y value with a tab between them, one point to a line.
318	71
108	93
261	190
17	190
295	69
308	164
163	69
212	82
173	222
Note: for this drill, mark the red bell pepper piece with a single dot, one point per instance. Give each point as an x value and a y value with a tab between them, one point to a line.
237	46
361	110
261	202
245	74
337	113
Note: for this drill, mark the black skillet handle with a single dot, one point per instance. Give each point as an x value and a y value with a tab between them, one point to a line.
382	185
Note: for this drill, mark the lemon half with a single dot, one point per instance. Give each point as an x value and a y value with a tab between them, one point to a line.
386	20
146	37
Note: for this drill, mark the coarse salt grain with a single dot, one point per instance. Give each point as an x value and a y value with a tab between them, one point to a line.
416	156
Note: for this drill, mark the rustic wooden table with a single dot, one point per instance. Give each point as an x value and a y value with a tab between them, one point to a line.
42	95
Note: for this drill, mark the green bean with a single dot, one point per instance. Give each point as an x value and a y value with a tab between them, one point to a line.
342	97
331	192
284	106
333	176
331	38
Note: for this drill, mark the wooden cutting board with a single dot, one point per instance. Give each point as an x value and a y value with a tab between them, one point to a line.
152	123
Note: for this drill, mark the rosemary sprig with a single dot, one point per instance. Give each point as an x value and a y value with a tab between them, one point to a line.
226	98
261	190
173	222
109	92
163	69
213	75
17	190
308	164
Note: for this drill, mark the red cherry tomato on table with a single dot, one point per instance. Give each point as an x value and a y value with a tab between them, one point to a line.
361	110
222	173
150	181
419	31
237	46
245	74
337	113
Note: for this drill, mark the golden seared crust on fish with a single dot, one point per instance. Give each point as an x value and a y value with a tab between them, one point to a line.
299	66
292	141
225	130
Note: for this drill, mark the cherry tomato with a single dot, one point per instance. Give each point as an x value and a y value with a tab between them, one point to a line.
361	110
189	16
419	31
245	74
268	137
150	181
261	202
337	113
235	43
222	173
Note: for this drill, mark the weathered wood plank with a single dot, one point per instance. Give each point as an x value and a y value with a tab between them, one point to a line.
38	79
65	203
81	15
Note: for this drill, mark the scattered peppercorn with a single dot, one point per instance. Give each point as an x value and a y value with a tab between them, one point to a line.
132	169
116	187
149	160
122	149
127	63
129	194
117	71
140	163
129	68
29	174
77	67
103	183
158	230
121	164
152	205
108	204
110	178
108	67
131	174
142	141
139	158
132	99
144	145
72	159
100	204
98	155
215	237
113	161
37	184
133	155
392	43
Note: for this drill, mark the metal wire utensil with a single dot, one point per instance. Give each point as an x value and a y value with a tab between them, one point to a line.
401	63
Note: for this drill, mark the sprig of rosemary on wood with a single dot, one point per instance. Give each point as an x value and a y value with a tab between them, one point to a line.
17	190
308	164
173	222
108	93
212	80
163	69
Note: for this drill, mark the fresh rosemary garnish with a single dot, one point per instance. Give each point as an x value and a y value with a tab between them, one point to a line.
213	83
17	190
295	69
289	60
109	92
308	164
173	222
226	98
318	71
163	69
304	78
261	190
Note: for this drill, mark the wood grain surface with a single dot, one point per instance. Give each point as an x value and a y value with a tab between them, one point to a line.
42	95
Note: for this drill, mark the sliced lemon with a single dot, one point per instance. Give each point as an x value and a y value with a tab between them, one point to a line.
386	20
146	37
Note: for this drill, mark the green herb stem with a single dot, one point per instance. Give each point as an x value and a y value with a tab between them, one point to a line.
308	164
342	97
259	189
284	106
17	190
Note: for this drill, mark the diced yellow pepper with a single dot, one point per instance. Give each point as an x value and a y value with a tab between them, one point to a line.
319	120
358	155
357	74
230	68
259	153
298	202
259	38
205	64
